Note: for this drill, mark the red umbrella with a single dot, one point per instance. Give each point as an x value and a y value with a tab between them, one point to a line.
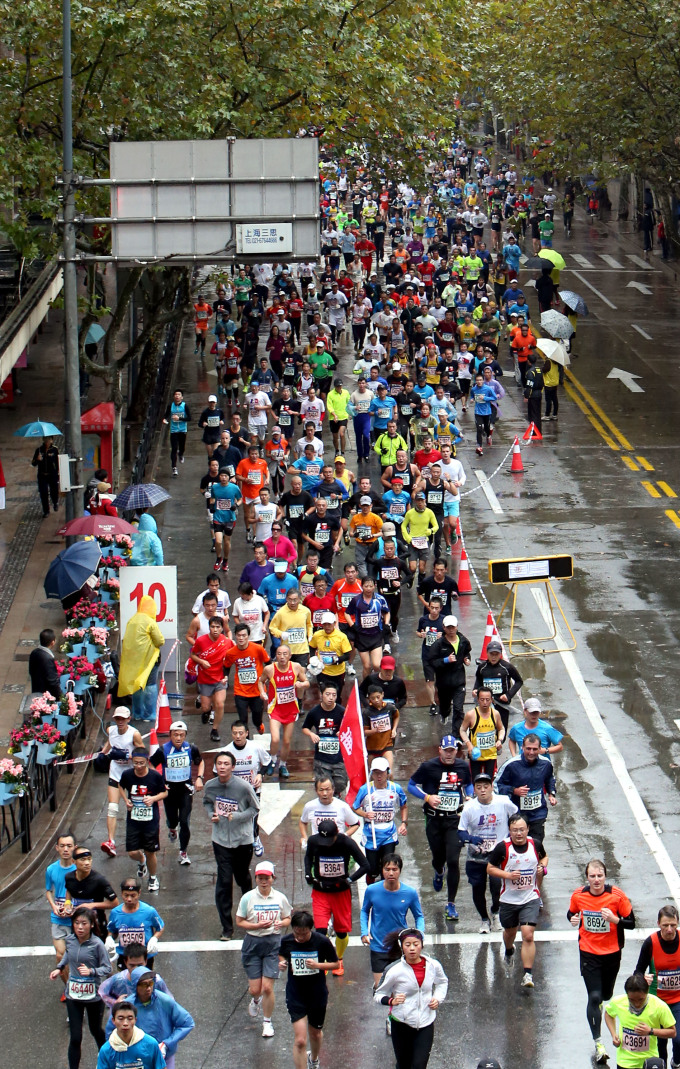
97	526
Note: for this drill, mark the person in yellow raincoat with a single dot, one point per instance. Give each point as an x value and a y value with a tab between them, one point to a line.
139	661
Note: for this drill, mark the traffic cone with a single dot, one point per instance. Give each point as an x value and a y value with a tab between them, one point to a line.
464	584
153	738
163	714
532	434
516	456
489	633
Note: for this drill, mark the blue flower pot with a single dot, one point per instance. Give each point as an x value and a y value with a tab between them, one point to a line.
79	685
106	597
25	752
78	648
63	724
45	754
7	793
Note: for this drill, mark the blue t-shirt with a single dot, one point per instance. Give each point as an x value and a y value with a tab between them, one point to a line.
388	911
55	881
225	502
310	471
274	589
382	411
137	927
384	803
397	505
424	392
548	735
483	397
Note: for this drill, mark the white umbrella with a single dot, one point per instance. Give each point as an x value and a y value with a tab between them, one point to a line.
554	350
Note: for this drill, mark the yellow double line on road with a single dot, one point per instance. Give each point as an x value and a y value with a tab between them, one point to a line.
617	441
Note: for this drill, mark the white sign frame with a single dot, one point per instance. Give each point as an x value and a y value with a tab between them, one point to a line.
158	582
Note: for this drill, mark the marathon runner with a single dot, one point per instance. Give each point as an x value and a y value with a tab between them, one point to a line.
384	910
326	807
322	726
483	733
376	803
529	779
307	955
501	677
483	824
250	659
327	871
251	760
262	913
134	922
280	684
177	757
413	988
660	958
55	892
636	1021
122	739
145	789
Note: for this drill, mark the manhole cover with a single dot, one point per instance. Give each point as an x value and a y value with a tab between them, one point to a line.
573	526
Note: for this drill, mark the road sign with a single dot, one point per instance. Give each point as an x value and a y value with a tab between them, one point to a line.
159	583
528	569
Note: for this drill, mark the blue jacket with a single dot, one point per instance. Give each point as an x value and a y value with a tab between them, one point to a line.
147	548
538	776
144	1054
162	1017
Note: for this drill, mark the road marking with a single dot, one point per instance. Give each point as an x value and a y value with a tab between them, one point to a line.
677	724
668	490
204	946
673	516
595	422
650	488
627	378
598	411
645	335
581	260
276	805
639	261
595	291
613	754
630	463
644	464
488	493
611	261
640	286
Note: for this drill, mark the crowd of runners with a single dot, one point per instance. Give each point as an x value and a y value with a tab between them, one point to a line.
413	314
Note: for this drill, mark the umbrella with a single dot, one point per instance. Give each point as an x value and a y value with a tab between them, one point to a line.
94	334
554	350
556	324
141	496
536	263
556	260
97	526
71	568
37	429
574	301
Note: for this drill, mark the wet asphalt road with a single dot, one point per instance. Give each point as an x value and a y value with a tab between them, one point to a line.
578	495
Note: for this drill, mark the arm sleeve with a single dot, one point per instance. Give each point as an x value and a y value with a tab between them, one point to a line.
645	958
627	922
361	868
417	911
516	680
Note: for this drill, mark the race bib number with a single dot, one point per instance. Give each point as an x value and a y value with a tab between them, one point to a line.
299	966
345	599
213	421
633	1042
431	638
530	801
369	619
284	419
449	802
383	816
322	536
141	812
420	542
296	635
225	806
405	410
247	675
381	723
331	866
329	746
383	413
487	741
593	921
254	478
389	573
285	695
271	914
81	990
363	532
526	879
131	935
296	511
488	845
668	979
398	509
327	658
434	497
494	685
312	471
362	406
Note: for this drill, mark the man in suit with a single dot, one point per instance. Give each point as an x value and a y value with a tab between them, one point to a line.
42	666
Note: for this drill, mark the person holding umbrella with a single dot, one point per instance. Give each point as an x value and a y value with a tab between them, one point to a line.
46	460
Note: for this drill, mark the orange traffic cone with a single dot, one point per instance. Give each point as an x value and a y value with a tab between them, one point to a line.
489	633
464	584
532	434
516	456
153	739
163	714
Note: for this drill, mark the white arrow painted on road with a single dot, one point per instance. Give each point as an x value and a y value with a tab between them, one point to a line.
639	286
627	378
275	806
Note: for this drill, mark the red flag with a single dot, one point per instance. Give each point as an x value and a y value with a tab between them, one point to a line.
353	745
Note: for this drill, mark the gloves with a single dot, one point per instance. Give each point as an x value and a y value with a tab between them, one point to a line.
475	840
309	880
152	946
110	945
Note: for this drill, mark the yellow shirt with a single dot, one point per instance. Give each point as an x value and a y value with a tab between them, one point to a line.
334	644
485	735
298	624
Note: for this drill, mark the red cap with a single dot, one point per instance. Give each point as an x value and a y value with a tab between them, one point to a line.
388	662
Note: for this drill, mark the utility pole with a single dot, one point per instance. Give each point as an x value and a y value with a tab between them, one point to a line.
72	433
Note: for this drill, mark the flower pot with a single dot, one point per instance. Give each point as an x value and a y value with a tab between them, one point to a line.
25	752
45	753
48	719
106	597
78	686
7	793
63	724
78	649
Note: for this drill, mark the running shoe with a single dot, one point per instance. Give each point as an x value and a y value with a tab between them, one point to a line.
175	471
214	736
311	1062
484	928
488	441
267	1030
205	716
153	884
226	936
395	637
601	1055
258	848
249	538
387	648
433	709
181	460
448	551
283	771
142	870
271	767
225	567
438	881
351	670
451	913
172	835
184	858
495	923
509	954
527	980
217	565
479	451
260	729
254	1006
211	717
109	847
340	970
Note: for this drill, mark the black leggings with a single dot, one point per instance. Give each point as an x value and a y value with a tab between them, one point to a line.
178	811
445	847
482	425
412	1046
599	972
376	858
551	402
76	1013
178	441
479	897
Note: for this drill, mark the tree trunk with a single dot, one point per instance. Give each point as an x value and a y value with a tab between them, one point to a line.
146	379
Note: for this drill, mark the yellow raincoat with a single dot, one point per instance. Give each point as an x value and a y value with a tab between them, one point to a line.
141	645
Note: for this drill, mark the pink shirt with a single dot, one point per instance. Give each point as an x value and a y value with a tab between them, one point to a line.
281	550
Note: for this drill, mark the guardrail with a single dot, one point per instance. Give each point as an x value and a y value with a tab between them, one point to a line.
16	817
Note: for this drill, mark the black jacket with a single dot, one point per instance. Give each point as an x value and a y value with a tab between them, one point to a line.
502	678
451	673
42	669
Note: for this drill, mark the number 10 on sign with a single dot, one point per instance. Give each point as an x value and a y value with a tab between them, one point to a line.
159	583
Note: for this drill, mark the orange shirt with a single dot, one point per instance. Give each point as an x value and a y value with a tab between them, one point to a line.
343	592
595	934
251	475
249	664
365	528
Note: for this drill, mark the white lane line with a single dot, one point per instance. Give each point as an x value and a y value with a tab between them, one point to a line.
677	724
581	260
614	756
610	260
639	261
205	946
276	805
593	290
642	332
488	493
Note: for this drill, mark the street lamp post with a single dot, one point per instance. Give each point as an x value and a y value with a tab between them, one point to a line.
74	500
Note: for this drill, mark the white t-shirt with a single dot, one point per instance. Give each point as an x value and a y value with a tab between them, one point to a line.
255	906
252	612
489	822
250	760
313	411
223	603
316	442
264	518
256	414
452	470
314	812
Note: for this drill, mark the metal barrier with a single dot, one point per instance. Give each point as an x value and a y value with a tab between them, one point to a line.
16	817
